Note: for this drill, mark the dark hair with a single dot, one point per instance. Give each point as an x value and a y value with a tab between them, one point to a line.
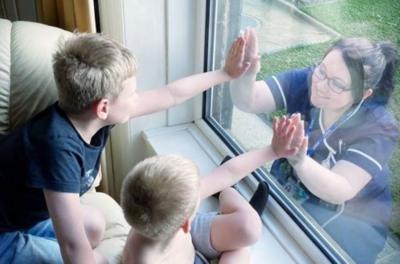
371	66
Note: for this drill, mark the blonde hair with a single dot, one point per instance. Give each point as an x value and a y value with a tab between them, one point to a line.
159	194
88	67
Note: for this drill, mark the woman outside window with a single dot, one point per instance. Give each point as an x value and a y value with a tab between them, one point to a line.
341	178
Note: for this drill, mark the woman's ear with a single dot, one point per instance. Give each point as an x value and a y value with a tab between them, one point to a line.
367	93
101	108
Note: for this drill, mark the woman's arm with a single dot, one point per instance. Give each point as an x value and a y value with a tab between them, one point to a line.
252	96
248	94
337	185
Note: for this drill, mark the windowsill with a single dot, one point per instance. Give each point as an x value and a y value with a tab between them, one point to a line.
282	241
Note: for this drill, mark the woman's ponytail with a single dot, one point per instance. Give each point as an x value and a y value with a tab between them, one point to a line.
386	84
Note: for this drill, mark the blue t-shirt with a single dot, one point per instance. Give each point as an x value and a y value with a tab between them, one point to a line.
367	139
46	153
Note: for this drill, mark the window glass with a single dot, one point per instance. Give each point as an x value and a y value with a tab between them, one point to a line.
347	190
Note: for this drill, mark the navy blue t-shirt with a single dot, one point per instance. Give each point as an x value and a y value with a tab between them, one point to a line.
367	139
46	153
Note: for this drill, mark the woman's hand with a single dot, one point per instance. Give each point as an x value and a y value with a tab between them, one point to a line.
300	141
251	50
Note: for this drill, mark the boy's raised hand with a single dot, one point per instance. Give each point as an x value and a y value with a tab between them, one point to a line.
235	63
288	135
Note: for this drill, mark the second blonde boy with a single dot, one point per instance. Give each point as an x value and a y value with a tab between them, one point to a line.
161	194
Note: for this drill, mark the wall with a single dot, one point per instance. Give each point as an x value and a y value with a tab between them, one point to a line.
167	39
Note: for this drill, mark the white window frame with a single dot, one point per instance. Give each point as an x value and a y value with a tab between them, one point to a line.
179	53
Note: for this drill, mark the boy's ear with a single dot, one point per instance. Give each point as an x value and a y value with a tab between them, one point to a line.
101	108
186	226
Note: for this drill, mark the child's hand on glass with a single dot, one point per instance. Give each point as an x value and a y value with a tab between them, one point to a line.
235	64
288	136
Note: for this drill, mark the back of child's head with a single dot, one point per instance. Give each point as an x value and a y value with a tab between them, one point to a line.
159	195
88	67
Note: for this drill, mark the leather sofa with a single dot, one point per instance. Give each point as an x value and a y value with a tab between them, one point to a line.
26	87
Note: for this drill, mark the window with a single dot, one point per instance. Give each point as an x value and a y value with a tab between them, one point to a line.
296	35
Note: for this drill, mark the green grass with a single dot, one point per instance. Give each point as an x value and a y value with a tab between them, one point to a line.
374	19
301	56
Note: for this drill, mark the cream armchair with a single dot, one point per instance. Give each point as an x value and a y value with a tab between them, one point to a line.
27	87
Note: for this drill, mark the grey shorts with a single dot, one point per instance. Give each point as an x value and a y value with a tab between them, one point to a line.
201	234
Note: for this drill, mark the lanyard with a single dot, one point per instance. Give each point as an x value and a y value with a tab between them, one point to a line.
330	130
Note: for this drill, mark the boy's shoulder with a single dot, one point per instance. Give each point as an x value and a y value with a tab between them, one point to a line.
52	131
48	129
51	123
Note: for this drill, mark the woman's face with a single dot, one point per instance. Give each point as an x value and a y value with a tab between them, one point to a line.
331	84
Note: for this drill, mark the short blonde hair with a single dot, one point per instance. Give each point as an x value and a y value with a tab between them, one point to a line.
88	67
159	194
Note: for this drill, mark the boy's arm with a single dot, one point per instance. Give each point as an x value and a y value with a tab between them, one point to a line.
234	170
66	215
183	89
283	144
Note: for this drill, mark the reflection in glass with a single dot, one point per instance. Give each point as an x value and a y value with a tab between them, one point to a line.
354	185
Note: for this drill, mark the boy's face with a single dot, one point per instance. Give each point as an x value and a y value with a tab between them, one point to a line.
122	106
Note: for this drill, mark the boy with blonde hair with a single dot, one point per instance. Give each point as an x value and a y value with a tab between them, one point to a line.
161	194
46	165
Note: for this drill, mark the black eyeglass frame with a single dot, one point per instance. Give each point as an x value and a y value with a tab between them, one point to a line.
335	84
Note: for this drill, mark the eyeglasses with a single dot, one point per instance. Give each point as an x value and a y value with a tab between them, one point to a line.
335	84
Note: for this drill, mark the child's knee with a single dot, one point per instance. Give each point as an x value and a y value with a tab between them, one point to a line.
250	228
95	226
228	192
248	223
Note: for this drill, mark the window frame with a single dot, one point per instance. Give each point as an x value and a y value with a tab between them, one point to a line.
333	252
